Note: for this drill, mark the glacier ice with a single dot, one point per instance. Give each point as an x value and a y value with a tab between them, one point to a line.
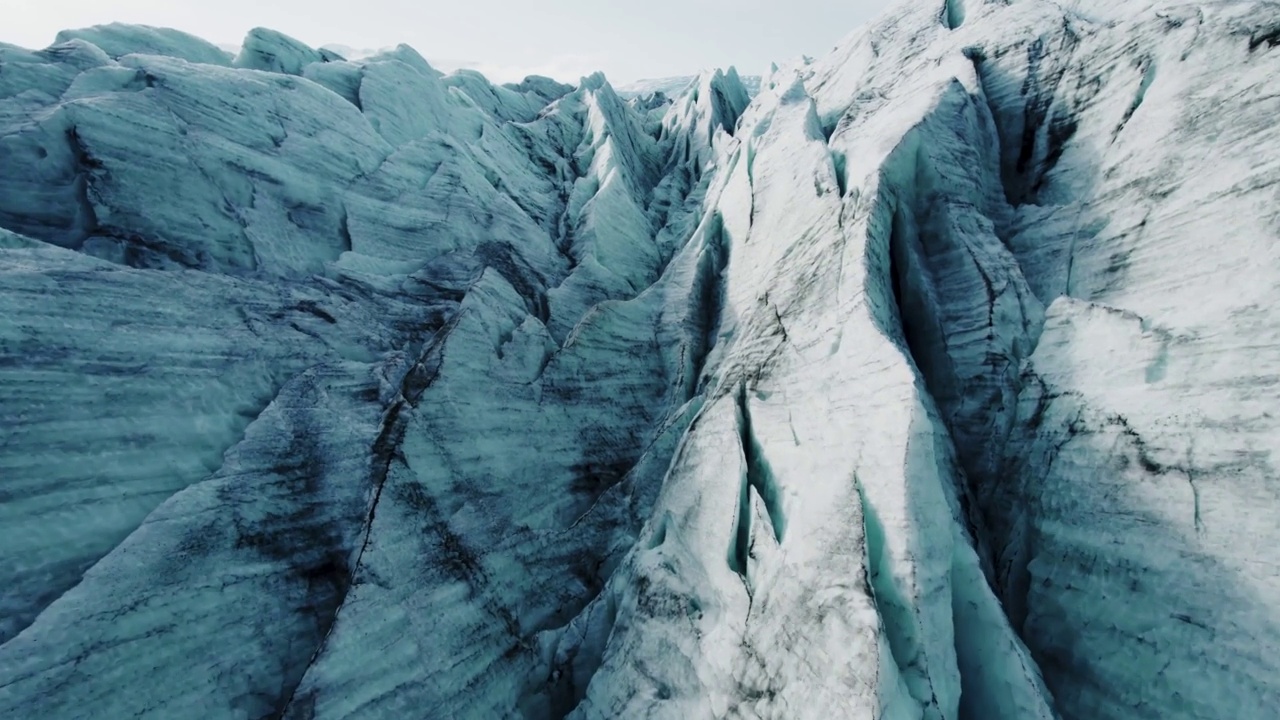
119	39
935	379
673	87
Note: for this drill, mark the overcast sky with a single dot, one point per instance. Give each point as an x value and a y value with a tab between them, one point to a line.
627	39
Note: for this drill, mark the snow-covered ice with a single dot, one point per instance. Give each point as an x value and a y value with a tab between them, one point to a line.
936	380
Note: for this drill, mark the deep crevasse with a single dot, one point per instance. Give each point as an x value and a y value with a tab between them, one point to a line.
903	392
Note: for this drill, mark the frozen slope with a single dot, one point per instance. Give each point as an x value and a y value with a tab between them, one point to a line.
934	382
261	387
1101	560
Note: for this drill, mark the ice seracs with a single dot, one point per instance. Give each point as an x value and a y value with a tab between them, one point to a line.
119	39
675	86
936	381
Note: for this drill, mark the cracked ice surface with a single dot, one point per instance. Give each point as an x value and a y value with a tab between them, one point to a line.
932	382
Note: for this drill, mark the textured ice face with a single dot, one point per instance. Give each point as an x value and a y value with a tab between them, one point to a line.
934	382
118	40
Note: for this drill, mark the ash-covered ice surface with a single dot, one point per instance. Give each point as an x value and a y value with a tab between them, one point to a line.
941	380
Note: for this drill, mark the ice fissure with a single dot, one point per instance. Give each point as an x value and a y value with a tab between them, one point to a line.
759	475
934	381
384	452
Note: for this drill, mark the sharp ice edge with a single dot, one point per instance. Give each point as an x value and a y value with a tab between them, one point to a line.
418	392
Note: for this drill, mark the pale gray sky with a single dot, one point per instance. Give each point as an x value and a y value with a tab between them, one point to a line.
507	39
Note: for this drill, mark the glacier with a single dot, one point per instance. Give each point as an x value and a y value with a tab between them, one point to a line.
673	86
934	379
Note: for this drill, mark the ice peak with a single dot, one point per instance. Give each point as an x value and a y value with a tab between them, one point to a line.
407	55
594	82
713	101
77	52
273	51
120	39
544	87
